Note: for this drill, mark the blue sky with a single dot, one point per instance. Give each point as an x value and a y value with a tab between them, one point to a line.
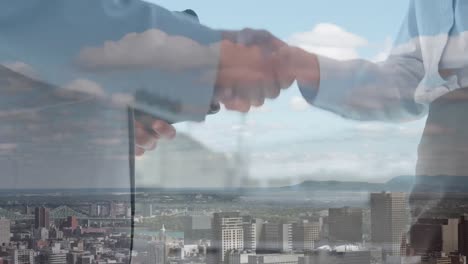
374	20
287	138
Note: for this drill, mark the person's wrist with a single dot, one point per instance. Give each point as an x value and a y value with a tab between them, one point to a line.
305	67
225	48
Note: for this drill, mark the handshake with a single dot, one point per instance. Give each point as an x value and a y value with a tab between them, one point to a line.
254	65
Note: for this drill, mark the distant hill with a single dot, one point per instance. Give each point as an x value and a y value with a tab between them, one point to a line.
337	186
397	184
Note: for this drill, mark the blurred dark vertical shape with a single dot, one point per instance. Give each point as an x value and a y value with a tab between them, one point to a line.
131	159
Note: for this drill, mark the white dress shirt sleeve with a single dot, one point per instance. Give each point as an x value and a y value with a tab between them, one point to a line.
364	90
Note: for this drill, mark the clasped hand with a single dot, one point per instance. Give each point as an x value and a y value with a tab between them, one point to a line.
254	66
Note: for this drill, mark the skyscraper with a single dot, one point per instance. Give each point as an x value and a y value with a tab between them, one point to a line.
426	237
196	227
41	217
450	236
276	238
147	209
388	221
463	235
95	210
157	251
345	224
252	232
4	231
305	233
434	236
228	233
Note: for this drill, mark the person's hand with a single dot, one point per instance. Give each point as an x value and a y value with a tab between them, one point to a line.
304	65
254	65
148	135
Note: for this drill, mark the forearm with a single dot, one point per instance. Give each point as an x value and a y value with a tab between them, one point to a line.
306	68
135	53
360	89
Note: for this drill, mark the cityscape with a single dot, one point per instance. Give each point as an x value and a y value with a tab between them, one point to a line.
242	226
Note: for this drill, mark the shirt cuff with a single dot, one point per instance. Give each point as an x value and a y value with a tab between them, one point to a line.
335	82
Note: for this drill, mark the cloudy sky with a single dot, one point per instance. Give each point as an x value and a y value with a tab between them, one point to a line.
285	138
289	138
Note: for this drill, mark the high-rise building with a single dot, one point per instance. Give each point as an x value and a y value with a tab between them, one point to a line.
276	238
228	234
22	256
345	224
147	209
196	228
305	233
435	238
156	253
388	221
41	217
450	236
95	210
252	232
463	235
270	242
4	231
426	237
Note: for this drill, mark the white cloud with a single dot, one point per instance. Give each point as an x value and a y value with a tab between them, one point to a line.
122	99
333	41
92	88
85	86
374	128
329	40
343	165
150	49
22	68
298	104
